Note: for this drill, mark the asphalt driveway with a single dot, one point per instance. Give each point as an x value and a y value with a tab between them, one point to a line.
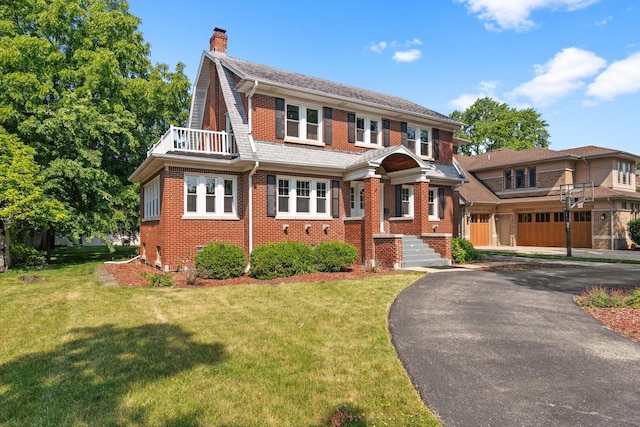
510	348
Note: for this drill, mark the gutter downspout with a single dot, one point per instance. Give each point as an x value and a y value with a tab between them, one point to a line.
611	220
253	172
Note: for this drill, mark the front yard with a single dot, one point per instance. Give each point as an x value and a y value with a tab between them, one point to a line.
78	353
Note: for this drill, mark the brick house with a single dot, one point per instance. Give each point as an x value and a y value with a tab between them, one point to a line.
270	155
513	197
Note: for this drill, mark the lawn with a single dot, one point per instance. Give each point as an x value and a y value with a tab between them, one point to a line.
78	353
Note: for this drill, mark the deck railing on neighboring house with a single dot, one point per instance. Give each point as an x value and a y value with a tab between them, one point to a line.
195	141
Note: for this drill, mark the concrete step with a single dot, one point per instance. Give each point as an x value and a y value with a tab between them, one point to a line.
416	253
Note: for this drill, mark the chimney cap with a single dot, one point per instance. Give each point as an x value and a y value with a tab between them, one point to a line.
219	30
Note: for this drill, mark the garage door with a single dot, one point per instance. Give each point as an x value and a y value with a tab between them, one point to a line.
479	230
548	229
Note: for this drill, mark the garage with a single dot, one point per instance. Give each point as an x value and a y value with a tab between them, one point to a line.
548	229
479	229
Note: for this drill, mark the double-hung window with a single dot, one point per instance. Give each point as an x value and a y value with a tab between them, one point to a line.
356	199
303	123
532	177
418	140
433	204
519	178
152	199
367	130
407	200
303	197
210	196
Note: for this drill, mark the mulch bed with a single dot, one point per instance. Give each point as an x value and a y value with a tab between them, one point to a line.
624	320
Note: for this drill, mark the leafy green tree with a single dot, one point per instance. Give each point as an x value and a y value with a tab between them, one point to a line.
493	125
78	87
23	204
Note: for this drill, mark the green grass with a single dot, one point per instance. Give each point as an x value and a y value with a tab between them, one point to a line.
561	257
78	353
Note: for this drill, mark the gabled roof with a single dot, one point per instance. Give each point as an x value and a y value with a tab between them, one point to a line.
474	191
312	85
595	151
506	156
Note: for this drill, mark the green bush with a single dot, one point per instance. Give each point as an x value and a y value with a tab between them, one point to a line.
334	256
220	261
634	299
463	251
157	280
634	231
281	260
23	256
600	297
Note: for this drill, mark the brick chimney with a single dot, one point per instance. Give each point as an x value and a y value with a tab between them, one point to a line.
218	41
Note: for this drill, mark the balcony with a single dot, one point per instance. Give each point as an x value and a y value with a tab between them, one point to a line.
195	141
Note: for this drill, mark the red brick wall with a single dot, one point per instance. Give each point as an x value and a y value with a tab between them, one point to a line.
354	235
439	243
388	252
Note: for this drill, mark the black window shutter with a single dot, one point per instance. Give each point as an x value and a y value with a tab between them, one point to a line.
279	118
386	132
436	144
351	123
442	202
328	125
403	133
271	195
399	200
335	199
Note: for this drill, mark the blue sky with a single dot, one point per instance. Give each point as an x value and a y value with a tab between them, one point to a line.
577	62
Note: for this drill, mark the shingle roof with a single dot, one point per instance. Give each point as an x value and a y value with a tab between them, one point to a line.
506	156
474	190
263	73
595	151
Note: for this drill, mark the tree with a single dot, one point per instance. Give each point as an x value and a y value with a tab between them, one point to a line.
493	125
23	203
79	89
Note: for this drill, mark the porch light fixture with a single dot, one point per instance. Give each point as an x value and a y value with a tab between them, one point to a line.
285	228
603	216
307	227
325	228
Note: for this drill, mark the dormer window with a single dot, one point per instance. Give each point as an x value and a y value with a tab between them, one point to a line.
303	123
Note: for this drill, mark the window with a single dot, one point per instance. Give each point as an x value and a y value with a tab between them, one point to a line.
558	217
152	199
208	195
357	199
407	200
532	177
433	204
524	217
367	130
543	217
418	140
507	180
582	216
480	218
519	178
304	197
303	122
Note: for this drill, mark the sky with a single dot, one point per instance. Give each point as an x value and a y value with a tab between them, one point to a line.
577	62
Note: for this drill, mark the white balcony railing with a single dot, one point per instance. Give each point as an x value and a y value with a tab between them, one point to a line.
195	141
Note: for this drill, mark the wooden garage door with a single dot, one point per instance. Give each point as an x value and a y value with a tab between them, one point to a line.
548	229
479	230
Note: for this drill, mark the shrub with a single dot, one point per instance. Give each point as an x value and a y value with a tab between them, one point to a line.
281	260
634	231
463	251
634	299
157	280
334	256
220	260
600	297
23	256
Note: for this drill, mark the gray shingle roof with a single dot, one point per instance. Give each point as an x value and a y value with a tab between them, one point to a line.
263	73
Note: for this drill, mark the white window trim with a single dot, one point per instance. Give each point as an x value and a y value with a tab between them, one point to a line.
313	199
302	123
411	198
367	131
357	207
151	209
201	194
436	205
418	141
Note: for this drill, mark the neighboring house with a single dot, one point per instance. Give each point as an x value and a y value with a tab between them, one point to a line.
270	156
513	197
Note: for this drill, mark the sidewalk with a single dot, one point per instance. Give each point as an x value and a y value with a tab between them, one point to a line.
578	253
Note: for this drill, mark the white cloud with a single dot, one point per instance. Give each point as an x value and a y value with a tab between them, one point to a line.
485	89
378	47
407	55
515	14
560	76
604	21
622	77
